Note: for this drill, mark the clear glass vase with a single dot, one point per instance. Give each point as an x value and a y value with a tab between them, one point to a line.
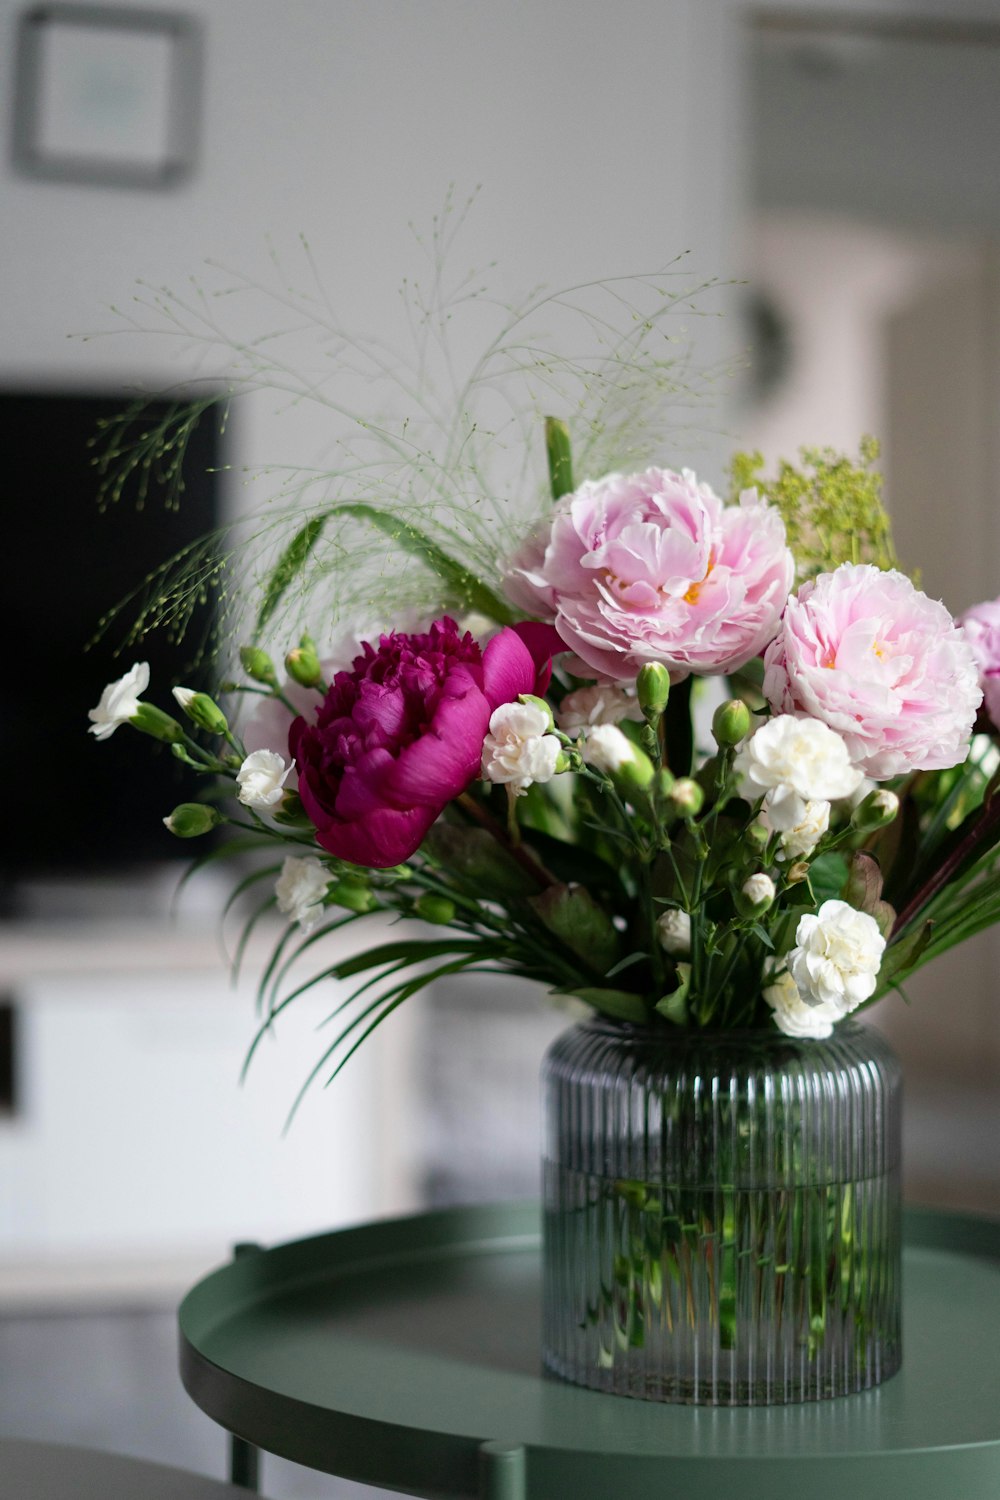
722	1213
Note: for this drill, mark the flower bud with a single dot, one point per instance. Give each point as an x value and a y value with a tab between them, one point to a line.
258	665
730	723
877	809
543	708
757	836
663	784
436	909
152	720
652	689
202	710
797	872
353	895
687	797
302	664
673	929
755	895
191	819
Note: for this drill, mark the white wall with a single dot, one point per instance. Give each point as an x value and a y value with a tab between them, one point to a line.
604	142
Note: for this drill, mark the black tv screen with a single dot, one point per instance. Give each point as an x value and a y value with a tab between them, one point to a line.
75	804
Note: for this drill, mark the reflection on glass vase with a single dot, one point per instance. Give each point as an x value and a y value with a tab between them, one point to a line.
722	1213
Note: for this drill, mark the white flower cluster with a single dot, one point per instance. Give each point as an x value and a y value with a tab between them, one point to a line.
831	970
600	703
261	780
300	889
801	765
520	749
119	701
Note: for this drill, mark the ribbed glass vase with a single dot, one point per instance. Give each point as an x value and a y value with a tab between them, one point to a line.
722	1213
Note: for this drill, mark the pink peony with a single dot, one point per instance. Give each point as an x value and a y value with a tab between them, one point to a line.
653	567
981	626
882	664
401	734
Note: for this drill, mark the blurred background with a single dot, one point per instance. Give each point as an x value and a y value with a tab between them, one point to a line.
834	166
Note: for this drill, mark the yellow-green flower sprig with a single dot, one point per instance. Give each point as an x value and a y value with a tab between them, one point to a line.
831	506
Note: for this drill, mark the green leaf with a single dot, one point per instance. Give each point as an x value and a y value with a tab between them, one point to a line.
410	950
471	592
557	447
621	1004
675	1005
827	875
289	566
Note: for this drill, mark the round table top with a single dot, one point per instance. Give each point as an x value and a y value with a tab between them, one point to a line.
51	1471
393	1352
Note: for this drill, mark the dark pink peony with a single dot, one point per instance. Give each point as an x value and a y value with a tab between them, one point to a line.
401	734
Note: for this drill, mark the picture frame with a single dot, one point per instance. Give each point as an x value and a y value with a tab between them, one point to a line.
107	96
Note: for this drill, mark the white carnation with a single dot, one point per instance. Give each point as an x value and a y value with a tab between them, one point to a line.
300	889
606	749
793	1016
836	958
519	749
261	779
601	703
804	755
674	931
119	701
799	823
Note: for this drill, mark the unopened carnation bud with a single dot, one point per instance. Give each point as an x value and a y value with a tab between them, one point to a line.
877	809
153	721
652	688
730	723
191	819
674	931
663	783
353	895
436	909
607	749
258	665
755	895
302	665
797	872
543	708
757	836
201	710
687	797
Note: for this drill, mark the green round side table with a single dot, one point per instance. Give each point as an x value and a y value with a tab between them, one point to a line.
405	1354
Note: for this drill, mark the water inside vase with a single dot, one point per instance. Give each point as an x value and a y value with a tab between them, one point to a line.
721	1295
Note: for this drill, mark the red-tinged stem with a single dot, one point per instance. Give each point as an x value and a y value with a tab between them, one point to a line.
486	820
984	832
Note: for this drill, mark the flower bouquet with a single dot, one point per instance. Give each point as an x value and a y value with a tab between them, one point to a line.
706	769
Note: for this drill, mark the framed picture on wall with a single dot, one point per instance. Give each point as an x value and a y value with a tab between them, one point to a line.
106	95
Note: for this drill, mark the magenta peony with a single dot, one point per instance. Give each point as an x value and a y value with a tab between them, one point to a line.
401	734
873	657
981	626
653	567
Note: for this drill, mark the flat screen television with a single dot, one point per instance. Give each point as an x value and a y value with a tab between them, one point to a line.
74	805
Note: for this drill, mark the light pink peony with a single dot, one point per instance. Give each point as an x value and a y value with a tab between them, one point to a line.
878	661
653	567
981	625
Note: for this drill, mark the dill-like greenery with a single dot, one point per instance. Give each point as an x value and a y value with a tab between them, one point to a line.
831	506
435	466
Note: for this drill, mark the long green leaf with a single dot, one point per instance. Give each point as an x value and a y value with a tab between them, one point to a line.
468	590
414	951
289	566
